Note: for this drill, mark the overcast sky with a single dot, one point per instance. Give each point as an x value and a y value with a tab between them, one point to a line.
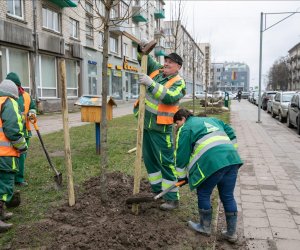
232	28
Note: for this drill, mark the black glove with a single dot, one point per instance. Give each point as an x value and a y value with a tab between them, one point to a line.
183	179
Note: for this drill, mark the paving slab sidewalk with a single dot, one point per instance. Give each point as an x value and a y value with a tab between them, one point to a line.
268	188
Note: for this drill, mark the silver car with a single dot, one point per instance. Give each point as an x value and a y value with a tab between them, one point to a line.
293	116
270	103
280	104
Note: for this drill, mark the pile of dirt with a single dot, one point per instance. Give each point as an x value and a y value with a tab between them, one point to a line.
91	224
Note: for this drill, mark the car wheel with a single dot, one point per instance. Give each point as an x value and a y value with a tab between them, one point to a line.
289	124
298	127
272	113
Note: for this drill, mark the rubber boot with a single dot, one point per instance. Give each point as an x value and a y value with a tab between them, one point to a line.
3	226
204	227
230	234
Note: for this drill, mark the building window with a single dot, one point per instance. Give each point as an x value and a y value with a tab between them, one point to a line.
124	11
100	8
51	19
47	86
134	52
89	35
89	8
72	79
17	61
101	38
74	28
125	48
15	8
113	42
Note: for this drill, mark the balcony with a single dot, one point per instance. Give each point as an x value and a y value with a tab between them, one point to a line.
138	14
64	3
158	33
159	51
159	13
120	28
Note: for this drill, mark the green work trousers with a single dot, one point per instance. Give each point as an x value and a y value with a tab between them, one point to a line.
7	182
20	175
158	154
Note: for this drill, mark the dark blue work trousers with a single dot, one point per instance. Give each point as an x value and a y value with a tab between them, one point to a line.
225	179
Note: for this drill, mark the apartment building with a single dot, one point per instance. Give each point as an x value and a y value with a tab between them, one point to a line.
178	39
230	76
294	68
37	33
206	65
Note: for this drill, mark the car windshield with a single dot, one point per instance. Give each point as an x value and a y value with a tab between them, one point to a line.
287	97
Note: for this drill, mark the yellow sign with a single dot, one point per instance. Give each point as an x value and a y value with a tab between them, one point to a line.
109	65
128	67
119	67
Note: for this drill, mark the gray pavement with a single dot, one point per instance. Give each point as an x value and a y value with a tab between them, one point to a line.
268	188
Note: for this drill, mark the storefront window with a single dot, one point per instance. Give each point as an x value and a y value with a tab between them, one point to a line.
48	84
134	86
17	61
72	79
116	84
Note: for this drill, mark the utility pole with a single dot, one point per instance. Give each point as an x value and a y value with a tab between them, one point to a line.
193	79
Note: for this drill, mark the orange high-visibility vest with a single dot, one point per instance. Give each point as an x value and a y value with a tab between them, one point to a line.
26	98
165	112
6	148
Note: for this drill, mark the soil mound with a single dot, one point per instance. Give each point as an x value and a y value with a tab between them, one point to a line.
91	224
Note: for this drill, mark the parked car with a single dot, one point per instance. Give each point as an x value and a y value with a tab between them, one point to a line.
265	98
245	95
270	103
200	94
254	97
218	94
293	116
280	104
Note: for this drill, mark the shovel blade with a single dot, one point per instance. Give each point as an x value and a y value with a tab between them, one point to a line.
58	180
138	198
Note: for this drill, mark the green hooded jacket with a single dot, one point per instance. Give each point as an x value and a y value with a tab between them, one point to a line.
203	146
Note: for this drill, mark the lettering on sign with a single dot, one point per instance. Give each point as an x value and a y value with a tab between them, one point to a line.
127	66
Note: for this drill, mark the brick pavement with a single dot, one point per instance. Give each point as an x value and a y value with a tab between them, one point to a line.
268	188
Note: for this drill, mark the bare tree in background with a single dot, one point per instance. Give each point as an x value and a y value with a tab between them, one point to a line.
107	14
278	75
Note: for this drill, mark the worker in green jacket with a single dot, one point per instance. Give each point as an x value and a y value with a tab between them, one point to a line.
12	144
206	156
164	89
28	109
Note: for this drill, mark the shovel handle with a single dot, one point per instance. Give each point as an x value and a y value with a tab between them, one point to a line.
33	120
178	184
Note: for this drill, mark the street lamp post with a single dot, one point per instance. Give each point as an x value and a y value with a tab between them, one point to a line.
263	29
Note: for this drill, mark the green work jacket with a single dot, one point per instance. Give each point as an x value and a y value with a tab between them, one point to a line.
203	146
171	95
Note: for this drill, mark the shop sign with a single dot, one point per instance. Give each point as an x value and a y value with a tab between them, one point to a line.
92	62
117	73
128	67
109	65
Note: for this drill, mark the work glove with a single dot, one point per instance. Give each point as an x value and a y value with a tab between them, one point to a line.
145	80
183	179
143	42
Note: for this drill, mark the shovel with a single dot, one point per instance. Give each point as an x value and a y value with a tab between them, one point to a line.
58	175
137	198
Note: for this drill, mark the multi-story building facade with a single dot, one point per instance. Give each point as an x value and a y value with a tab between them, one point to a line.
294	68
38	33
205	47
178	39
232	76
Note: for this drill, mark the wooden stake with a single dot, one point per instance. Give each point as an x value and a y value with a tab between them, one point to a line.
67	148
140	132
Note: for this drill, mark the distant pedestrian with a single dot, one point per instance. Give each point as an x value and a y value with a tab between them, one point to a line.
239	95
206	157
28	109
12	144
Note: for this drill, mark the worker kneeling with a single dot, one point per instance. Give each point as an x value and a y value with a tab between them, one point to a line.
206	156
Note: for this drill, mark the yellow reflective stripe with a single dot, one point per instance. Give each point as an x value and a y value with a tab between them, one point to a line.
235	145
14	166
19	117
168	139
155	178
151	105
202	176
159	92
176	91
4	197
180	173
160	157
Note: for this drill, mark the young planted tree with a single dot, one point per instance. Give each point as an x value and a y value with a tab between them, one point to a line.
108	14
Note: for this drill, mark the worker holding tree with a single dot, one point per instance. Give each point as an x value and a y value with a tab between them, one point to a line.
164	89
206	157
28	109
12	144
